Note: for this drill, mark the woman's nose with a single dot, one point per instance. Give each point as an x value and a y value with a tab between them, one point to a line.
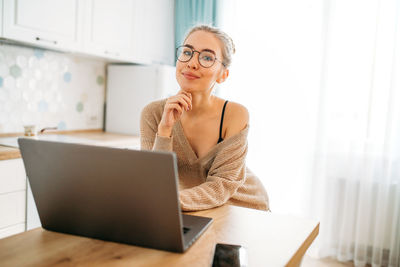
193	63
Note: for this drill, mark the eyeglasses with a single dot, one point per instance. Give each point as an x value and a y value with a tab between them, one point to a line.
206	58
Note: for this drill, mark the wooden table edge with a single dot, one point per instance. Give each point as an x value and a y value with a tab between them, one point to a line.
297	257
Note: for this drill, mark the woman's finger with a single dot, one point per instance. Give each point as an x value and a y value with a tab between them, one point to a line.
187	97
176	112
174	106
187	94
181	99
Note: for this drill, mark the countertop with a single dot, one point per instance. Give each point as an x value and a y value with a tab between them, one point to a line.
93	137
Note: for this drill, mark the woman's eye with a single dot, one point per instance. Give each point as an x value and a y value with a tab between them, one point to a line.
207	58
187	53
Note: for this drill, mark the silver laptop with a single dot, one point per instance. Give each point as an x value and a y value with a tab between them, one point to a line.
112	194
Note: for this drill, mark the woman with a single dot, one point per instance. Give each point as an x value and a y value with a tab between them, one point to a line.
208	134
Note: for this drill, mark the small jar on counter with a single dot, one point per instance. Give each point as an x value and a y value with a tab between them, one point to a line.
30	130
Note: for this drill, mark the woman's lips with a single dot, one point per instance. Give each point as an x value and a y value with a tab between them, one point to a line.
190	76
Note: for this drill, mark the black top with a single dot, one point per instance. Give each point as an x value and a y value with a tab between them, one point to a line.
222	120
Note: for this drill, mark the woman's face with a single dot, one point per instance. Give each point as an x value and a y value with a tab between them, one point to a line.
191	76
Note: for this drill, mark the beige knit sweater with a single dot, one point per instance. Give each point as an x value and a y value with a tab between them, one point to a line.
217	178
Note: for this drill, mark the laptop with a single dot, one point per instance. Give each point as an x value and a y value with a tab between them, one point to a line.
113	194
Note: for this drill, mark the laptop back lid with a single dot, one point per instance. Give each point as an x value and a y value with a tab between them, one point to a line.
120	195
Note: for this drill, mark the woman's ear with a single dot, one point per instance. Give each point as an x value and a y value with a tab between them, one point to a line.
223	76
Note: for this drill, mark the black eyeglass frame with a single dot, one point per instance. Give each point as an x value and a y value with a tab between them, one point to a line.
198	58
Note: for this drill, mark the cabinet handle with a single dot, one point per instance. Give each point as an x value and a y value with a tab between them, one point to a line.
111	53
46	40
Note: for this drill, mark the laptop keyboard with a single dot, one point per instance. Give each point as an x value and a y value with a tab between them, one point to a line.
185	230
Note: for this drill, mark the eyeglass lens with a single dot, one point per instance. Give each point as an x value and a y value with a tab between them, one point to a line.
206	58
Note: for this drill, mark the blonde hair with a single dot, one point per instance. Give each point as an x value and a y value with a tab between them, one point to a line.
228	45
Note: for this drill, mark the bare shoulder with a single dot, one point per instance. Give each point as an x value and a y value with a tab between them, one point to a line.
236	118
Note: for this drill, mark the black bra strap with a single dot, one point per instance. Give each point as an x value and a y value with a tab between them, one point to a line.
222	120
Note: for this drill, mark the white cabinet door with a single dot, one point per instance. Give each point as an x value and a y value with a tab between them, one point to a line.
131	30
12	176
109	29
32	215
12	209
123	30
156	42
46	23
12	197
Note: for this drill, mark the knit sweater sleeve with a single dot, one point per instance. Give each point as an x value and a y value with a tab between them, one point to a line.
226	174
149	120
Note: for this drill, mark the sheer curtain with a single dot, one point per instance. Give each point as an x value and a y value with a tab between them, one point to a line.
356	177
321	80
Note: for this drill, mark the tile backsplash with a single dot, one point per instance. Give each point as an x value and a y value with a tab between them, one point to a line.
49	89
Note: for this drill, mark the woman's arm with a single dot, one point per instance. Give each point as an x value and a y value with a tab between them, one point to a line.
149	121
158	119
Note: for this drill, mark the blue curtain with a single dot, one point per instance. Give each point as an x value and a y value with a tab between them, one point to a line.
191	12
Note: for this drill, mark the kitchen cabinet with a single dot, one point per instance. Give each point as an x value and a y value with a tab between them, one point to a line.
12	197
135	31
110	29
157	28
132	31
46	23
32	215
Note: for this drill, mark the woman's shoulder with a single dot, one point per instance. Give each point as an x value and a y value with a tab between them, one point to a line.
236	118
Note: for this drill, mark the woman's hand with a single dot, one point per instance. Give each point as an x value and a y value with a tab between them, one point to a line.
173	110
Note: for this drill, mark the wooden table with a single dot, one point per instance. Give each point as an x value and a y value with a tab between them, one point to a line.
271	240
